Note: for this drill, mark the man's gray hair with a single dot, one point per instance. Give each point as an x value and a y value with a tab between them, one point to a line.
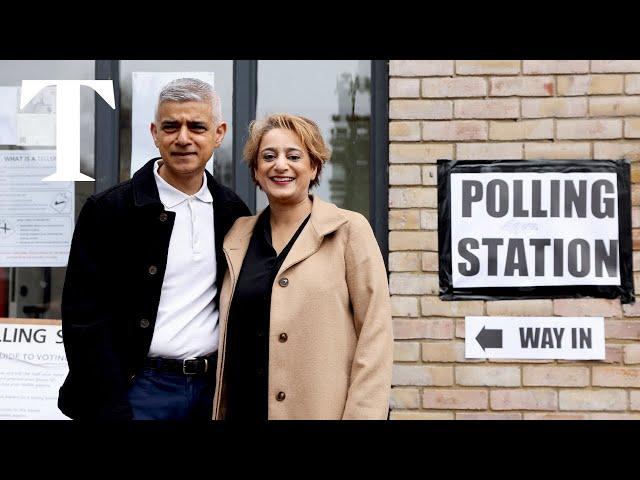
191	90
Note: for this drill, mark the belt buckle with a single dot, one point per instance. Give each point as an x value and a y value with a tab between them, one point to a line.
184	366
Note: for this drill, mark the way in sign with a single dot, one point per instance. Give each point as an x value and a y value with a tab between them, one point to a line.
535	337
552	337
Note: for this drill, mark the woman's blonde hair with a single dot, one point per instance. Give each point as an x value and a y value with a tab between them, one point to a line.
307	130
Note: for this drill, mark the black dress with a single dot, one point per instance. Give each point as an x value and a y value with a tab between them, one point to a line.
247	350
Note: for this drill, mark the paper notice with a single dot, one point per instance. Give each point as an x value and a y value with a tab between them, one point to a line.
33	366
36	217
8	113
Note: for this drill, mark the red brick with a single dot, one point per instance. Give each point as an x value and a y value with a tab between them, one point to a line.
524	399
404	219
490	151
614	416
404	398
404	87
543	376
454	87
457	399
406	351
522	87
419	328
420	109
487	67
455	130
589	128
419	153
404	306
632	354
413	284
404	131
538	67
615	66
632	309
440	351
622	329
433	306
556	416
587	307
489	376
420	68
582	399
554	107
417	415
493	108
616	377
488	416
514	308
422	375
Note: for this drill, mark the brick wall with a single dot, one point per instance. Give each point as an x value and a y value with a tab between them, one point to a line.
502	109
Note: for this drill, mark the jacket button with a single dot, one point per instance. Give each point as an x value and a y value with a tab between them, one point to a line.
283	282
144	323
283	337
280	396
153	270
163	217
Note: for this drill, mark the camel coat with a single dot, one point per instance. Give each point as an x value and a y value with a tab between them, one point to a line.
335	310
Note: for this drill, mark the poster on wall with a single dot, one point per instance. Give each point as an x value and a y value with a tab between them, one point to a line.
534	229
33	366
36	217
146	87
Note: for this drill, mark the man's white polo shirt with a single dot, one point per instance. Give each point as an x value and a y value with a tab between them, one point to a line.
187	320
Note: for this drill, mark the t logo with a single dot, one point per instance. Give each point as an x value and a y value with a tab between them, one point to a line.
67	121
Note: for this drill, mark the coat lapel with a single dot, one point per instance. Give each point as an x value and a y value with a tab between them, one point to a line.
325	219
237	242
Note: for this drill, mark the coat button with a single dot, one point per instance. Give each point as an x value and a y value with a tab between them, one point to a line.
144	323
283	337
163	217
280	396
283	282
153	270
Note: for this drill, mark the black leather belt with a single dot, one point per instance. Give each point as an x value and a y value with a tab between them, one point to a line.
188	366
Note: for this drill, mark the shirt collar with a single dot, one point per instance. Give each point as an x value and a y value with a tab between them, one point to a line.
171	196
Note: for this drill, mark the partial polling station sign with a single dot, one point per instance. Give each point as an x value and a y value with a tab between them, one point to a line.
535	229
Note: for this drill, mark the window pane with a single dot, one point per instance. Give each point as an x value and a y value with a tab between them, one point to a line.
36	292
223	80
336	95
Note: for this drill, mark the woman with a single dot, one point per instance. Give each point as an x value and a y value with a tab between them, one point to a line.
305	317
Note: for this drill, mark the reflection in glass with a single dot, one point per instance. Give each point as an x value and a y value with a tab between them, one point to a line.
337	96
223	81
36	292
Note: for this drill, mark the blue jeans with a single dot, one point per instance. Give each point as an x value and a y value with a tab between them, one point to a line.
161	395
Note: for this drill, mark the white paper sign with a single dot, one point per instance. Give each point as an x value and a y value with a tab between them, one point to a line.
33	366
146	87
36	217
8	112
534	229
567	338
36	122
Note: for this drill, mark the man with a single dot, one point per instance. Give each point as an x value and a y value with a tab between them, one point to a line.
140	299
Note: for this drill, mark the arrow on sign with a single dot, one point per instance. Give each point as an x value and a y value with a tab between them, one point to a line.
489	338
